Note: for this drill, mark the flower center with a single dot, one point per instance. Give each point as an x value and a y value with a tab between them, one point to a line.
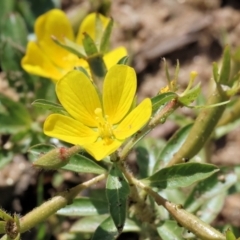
104	127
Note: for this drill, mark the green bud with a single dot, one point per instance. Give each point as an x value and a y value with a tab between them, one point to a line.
54	159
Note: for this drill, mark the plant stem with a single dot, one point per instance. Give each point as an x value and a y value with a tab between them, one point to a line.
203	127
163	114
184	218
50	207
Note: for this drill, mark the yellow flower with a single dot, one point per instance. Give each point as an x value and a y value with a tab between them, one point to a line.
100	125
45	58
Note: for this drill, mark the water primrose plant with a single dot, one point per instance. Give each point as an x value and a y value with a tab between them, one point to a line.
98	118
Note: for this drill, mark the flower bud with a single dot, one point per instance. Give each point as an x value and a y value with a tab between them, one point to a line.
54	159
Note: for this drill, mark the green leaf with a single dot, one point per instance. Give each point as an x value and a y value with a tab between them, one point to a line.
105	37
84	207
226	66
77	163
170	230
89	224
81	164
6	7
215	204
89	45
97	66
14	116
215	72
47	105
159	100
70	46
191	95
13	39
207	189
106	230
180	175
147	152
172	146
123	60
230	235
117	190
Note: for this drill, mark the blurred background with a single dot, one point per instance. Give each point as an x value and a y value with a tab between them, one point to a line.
191	31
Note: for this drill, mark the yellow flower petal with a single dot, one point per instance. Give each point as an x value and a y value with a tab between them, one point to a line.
88	26
114	56
100	150
69	130
119	88
55	23
134	120
79	97
36	62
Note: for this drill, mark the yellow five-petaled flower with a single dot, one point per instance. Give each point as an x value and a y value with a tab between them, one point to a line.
45	58
99	124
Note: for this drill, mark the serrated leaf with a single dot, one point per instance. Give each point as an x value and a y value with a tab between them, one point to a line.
89	45
14	116
106	230
172	146
226	66
208	189
191	95
159	100
47	105
77	163
170	230
106	36
71	46
84	207
180	175
117	190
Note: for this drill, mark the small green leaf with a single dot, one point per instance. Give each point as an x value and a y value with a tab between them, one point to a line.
97	66
81	164
230	235
5	157
170	230
47	105
159	100
172	146
147	152
89	45
207	189
123	60
14	116
84	207
71	46
180	175
215	72
191	95
88	224
105	37
117	190
106	230
226	66
13	39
